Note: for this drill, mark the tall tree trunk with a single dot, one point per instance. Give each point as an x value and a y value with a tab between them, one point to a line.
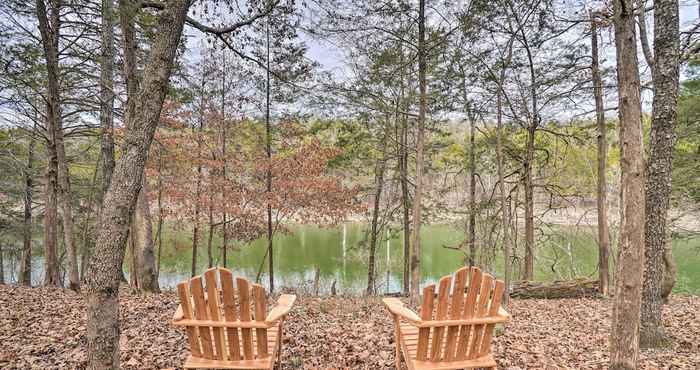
502	194
131	245
49	27
406	207
224	224
127	18
528	186
624	336
403	174
87	228
195	224
379	169
603	233
268	148
528	272
51	270
66	211
102	283
472	194
49	39
198	186
505	206
106	162
2	267
659	167
159	231
210	257
420	137
106	99
25	265
143	240
513	216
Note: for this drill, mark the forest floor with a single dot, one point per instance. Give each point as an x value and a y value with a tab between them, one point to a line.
44	328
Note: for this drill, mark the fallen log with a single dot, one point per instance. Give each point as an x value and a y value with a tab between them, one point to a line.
577	288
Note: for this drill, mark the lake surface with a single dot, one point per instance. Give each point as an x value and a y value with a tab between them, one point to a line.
327	255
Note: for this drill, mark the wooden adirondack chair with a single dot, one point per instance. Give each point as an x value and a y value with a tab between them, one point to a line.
227	328
458	334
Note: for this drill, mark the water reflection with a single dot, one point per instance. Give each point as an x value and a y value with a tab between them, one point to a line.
311	257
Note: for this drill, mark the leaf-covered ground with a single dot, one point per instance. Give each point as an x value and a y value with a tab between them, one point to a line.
44	328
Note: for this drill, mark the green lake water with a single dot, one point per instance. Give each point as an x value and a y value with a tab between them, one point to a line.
339	254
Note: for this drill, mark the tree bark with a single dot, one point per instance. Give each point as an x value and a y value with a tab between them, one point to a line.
224	225
420	137
159	231
658	183
51	271
502	194
403	174
669	273
50	44
624	336
268	149
379	167
2	267
528	186
198	186
102	283
472	194
25	265
106	99
602	202
128	10
210	236
405	205
49	27
143	240
505	206
528	272
66	212
195	224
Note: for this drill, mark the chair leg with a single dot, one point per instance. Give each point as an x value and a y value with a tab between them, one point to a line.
397	338
279	345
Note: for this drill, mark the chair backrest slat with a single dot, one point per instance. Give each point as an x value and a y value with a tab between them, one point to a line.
215	313
468	312
244	303
221	300
187	313
440	314
230	314
456	304
426	313
202	313
493	311
481	311
260	312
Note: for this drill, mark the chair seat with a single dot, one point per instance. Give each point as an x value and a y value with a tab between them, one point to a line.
204	363
409	345
262	363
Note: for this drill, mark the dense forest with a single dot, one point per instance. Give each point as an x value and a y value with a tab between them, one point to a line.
556	143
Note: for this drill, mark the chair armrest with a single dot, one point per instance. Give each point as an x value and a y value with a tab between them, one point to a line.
503	313
458	322
281	309
396	307
178	315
